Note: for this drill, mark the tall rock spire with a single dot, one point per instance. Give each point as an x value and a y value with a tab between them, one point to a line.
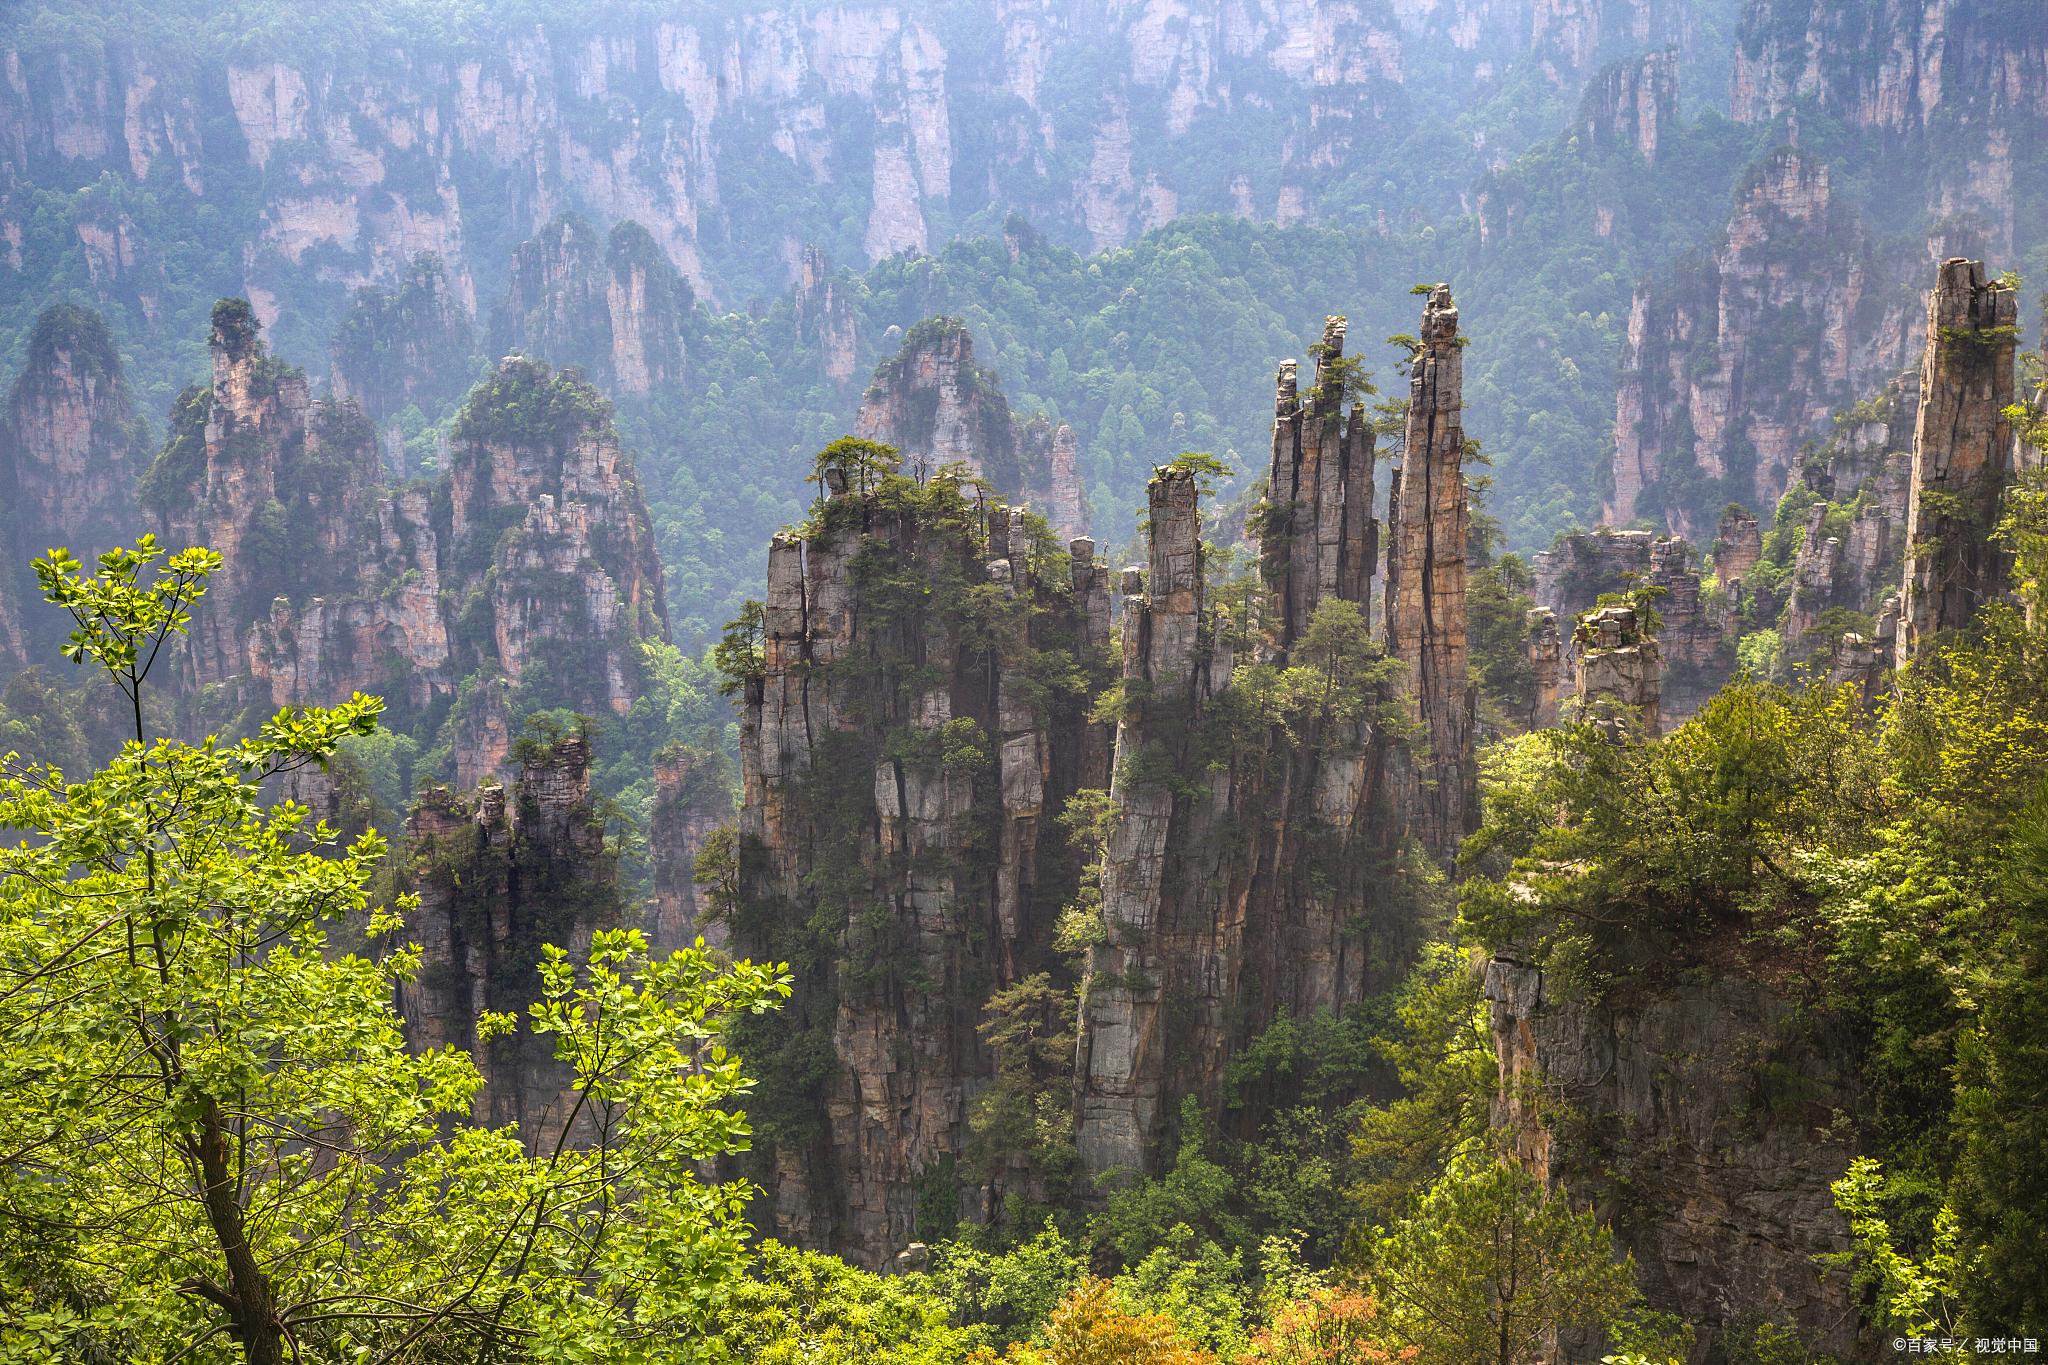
1962	454
1318	538
1425	613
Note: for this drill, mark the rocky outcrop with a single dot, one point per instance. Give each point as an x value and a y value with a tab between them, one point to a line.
281	486
70	450
903	754
500	872
1052	460
1546	664
1696	639
529	565
1429	516
1701	1119
1581	565
1736	357
935	405
614	307
824	316
1962	455
1620	673
901	769
1632	104
1738	546
1255	876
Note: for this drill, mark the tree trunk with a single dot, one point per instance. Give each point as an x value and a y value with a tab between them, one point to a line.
249	1296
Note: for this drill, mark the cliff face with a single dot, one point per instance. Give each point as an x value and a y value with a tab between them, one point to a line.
500	872
1962	455
737	137
70	450
901	767
1425	616
1734	359
1697	1119
530	561
1960	83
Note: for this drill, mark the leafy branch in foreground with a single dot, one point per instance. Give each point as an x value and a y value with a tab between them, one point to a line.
215	1144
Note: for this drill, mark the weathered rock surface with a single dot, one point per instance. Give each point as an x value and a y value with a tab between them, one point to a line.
1546	662
1734	359
693	798
900	776
824	316
70	451
1699	1120
1632	104
1620	673
1696	639
1962	455
1430	516
529	564
1738	546
499	873
613	305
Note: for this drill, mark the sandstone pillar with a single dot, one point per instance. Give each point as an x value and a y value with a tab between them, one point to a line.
1962	455
1425	612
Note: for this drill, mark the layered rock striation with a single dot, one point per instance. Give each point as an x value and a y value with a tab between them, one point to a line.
1430	517
1962	455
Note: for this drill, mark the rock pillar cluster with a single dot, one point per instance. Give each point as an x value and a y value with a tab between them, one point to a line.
824	316
1962	455
1241	885
531	563
903	761
1425	612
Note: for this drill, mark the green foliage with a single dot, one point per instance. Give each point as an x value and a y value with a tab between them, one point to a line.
1442	1052
1024	1116
1497	626
200	1096
1916	1299
524	403
1490	1264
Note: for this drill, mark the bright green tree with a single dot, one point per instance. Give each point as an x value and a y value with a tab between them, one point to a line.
214	1142
1491	1265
